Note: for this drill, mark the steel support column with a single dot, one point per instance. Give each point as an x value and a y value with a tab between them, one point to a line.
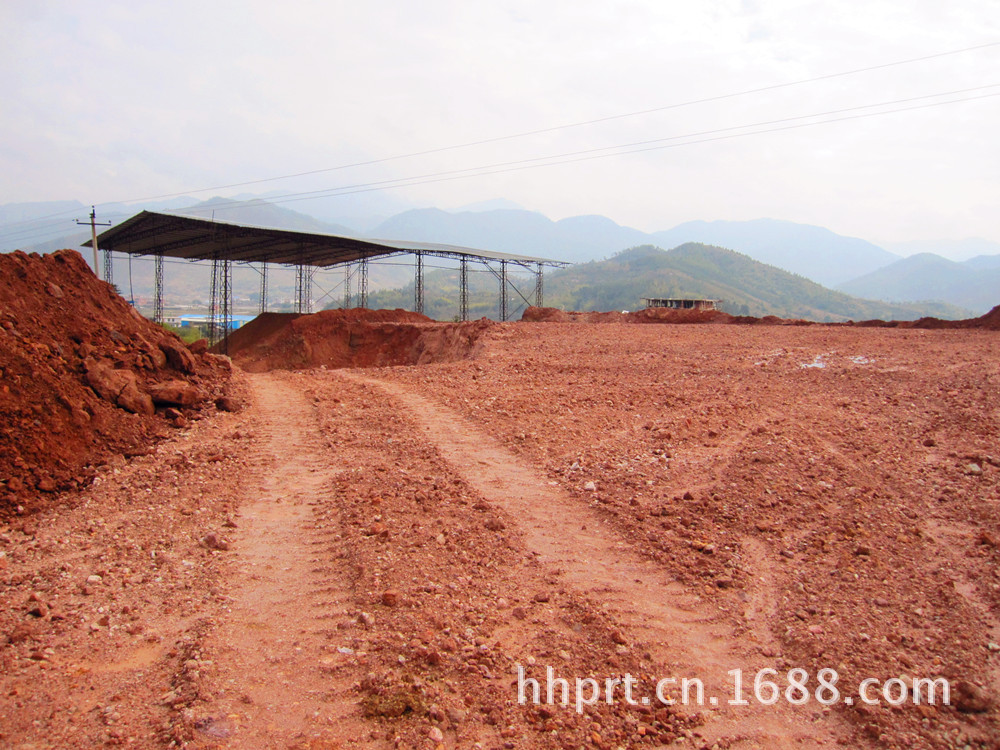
538	285
503	290
347	286
227	303
213	304
263	287
303	288
463	288
157	286
363	283
418	284
221	312
109	271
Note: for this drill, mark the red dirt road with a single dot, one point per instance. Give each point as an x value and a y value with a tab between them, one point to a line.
656	501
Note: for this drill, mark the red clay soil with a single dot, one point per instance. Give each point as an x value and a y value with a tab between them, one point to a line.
350	338
362	558
84	376
831	493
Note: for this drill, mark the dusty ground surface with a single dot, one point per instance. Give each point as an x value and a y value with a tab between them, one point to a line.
362	558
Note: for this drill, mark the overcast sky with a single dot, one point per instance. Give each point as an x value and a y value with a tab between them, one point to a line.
113	101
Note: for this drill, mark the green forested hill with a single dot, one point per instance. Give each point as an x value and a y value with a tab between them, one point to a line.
745	286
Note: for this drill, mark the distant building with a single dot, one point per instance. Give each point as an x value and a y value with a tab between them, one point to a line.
682	304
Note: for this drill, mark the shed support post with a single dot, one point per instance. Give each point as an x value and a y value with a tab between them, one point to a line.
503	290
303	288
220	314
263	287
538	285
347	286
213	303
463	288
418	284
363	284
227	303
109	271
157	287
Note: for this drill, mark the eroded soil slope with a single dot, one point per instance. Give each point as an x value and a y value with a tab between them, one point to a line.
83	377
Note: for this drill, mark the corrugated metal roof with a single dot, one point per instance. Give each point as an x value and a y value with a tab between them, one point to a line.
152	233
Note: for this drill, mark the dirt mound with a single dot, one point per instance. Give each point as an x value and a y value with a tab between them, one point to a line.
84	376
665	315
351	338
989	322
555	315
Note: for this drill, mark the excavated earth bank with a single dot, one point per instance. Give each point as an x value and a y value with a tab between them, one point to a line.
990	321
351	338
84	377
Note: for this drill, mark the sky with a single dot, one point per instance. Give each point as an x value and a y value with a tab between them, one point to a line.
121	101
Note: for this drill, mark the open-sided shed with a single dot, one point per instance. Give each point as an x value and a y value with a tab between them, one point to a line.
160	235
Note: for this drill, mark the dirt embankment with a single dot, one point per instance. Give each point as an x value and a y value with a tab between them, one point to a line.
351	338
649	315
990	321
84	376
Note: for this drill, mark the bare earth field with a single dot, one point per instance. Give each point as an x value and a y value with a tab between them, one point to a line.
364	557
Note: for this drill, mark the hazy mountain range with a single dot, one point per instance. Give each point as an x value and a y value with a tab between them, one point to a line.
746	287
851	265
974	284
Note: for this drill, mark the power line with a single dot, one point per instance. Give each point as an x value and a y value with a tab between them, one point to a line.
33	229
609	151
617	150
583	123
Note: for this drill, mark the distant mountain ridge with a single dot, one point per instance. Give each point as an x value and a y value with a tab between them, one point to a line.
512	231
746	287
956	250
974	284
818	254
814	252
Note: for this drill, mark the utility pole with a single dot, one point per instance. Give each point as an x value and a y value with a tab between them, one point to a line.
93	239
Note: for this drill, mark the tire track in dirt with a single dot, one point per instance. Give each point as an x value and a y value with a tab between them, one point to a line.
684	637
276	675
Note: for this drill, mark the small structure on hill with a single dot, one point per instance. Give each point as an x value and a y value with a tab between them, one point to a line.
681	303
